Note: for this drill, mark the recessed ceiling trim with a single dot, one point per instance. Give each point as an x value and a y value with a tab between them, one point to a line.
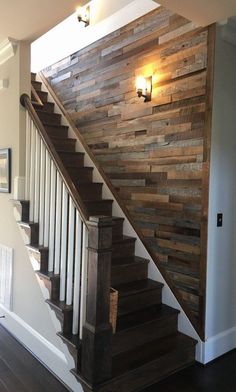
7	49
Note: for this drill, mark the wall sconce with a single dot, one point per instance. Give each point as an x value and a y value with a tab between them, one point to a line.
84	16
144	87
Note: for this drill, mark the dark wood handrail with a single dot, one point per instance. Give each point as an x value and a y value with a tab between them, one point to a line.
78	202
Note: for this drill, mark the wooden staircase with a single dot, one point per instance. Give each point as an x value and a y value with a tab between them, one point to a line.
147	345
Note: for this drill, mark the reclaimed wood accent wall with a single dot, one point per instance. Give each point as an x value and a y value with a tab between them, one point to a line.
152	152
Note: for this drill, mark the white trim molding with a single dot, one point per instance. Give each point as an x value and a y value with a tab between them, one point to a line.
216	346
7	49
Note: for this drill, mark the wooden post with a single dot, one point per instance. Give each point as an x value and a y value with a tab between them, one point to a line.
96	365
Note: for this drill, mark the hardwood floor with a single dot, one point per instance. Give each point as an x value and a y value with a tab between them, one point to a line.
219	376
20	371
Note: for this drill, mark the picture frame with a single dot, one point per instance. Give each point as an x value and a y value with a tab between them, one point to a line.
5	170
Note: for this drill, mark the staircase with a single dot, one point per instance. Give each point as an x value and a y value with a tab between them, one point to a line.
146	345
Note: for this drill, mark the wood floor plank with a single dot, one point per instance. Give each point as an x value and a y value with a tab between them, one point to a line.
27	374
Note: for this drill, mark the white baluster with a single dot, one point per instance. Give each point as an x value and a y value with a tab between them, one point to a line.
52	218
32	171
42	192
64	244
47	200
58	225
37	178
84	275
70	260
27	157
77	272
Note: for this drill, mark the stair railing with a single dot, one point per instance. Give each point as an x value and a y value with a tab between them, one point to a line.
79	246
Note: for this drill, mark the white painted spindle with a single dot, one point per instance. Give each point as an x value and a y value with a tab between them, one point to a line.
84	274
58	225
64	234
52	218
27	157
70	260
32	170
47	200
77	271
42	192
37	177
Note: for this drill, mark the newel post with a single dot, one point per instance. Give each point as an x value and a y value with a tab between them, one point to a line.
96	365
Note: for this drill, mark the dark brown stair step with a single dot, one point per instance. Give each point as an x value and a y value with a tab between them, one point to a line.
90	191
51	282
49	118
43	95
128	270
57	131
134	296
73	344
123	247
21	210
80	174
47	107
99	207
31	232
40	256
66	144
165	357
71	158
163	323
168	347
117	228
37	85
64	314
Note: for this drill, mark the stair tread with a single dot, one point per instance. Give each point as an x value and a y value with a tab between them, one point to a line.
55	125
73	340
101	201
59	305
57	139
153	313
70	152
48	275
151	351
139	286
117	218
28	224
36	247
126	260
124	238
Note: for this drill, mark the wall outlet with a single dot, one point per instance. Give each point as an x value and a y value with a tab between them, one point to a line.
219	220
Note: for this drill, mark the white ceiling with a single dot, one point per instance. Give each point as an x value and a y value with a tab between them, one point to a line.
203	12
29	19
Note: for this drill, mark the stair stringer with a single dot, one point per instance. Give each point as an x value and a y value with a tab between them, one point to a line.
71	380
184	324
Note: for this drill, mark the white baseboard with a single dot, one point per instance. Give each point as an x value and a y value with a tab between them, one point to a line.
216	346
41	348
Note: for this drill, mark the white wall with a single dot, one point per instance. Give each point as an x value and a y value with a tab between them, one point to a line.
221	274
70	36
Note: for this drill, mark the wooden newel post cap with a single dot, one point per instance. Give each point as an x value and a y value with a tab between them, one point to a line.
100	232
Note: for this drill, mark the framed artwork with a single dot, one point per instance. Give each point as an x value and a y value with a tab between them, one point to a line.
5	170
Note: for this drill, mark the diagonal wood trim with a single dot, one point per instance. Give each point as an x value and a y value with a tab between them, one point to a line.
79	204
